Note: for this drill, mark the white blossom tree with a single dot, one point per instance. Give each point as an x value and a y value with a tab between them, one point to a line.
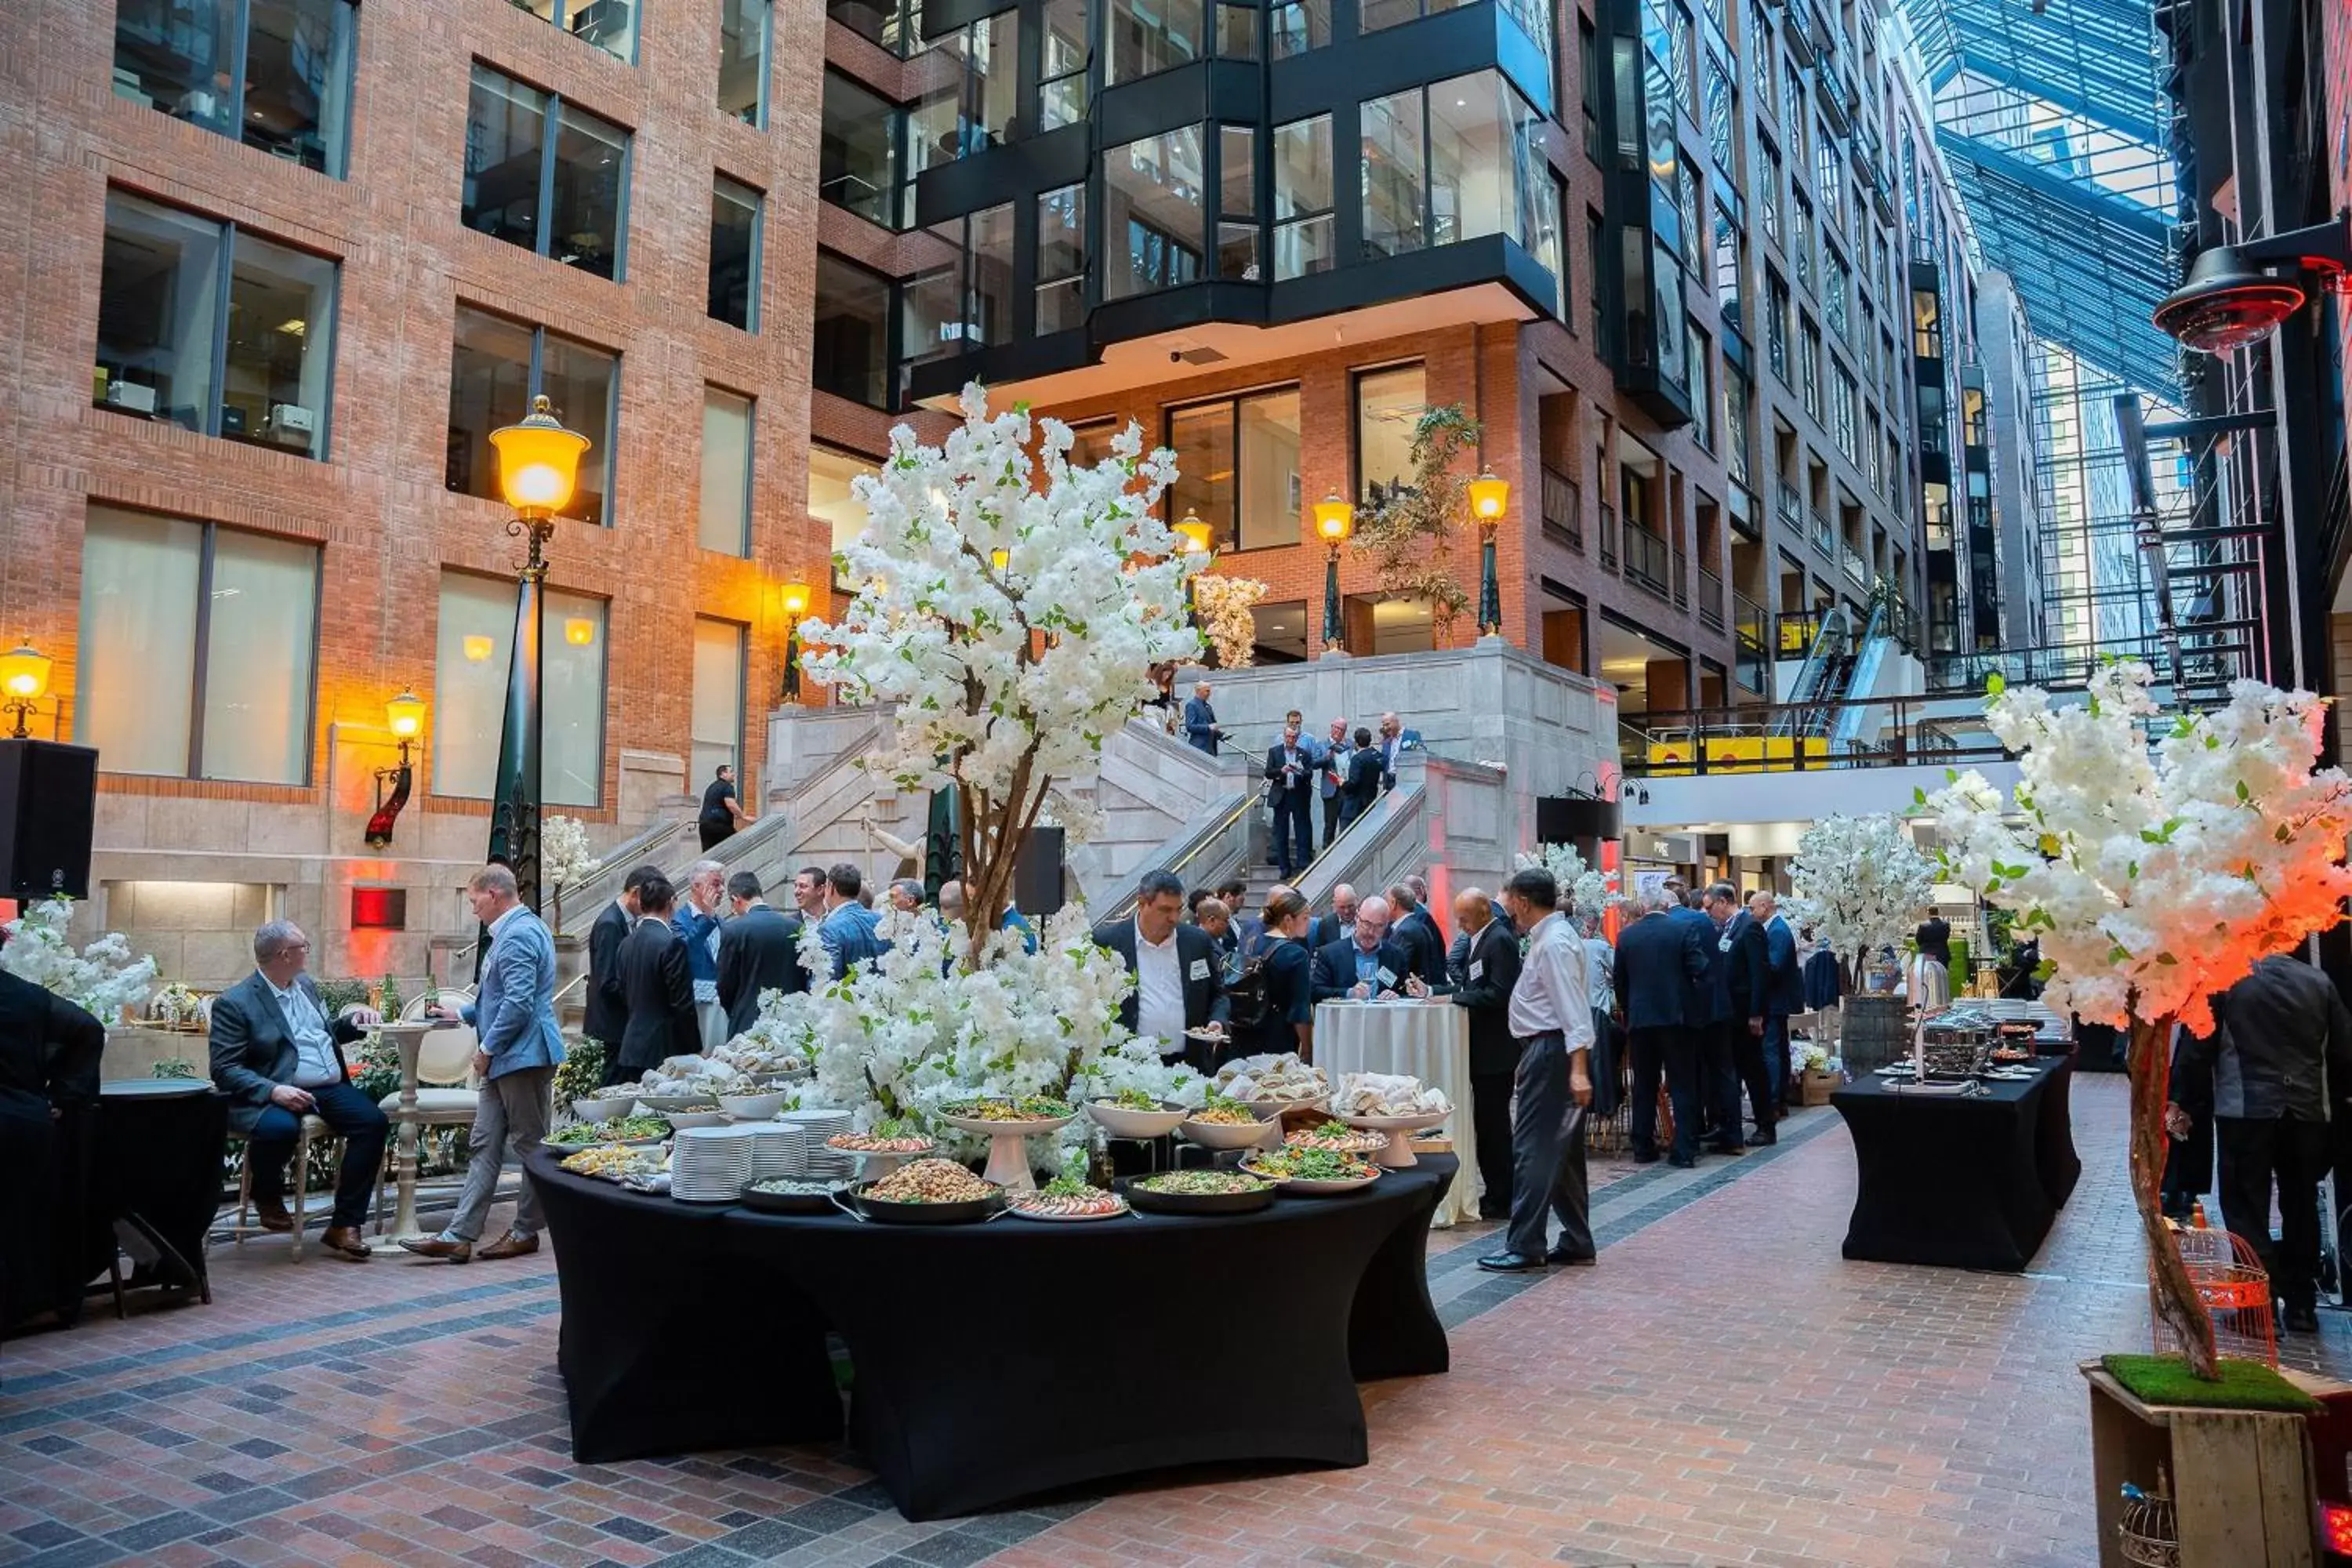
1583	890
1860	882
565	860
102	978
2156	857
1012	607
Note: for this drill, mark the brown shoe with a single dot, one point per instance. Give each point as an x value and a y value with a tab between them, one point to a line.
271	1214
512	1245
343	1241
434	1246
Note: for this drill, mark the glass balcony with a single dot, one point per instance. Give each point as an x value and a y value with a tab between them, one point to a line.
1563	510
1710	600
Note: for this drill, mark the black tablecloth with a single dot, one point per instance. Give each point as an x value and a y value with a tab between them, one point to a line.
1961	1180
991	1362
158	1161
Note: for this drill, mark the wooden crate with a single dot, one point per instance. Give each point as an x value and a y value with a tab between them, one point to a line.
2242	1482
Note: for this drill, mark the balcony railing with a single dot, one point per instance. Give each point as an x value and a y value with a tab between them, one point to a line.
1824	537
1563	510
1751	628
1770	738
1682	581
1710	600
1798	36
1646	560
1608	536
1791	506
1856	568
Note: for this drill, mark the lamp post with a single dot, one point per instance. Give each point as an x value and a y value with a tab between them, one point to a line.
1489	498
796	603
1193	539
539	463
24	676
1335	518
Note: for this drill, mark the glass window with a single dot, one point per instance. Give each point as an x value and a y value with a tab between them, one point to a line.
1375	15
725	520
718	737
1768	188
1722	112
473	651
734	254
496	366
894	24
287	90
164	330
1061	259
1389	405
610	24
1153	224
1148	35
1202	440
528	153
1303	238
1237	464
850	351
1298	25
831	498
1476	167
1735	421
1237	30
743	31
1776	324
989	249
1702	386
1062	74
1809	368
858	152
991	51
1395	191
1800	244
1588	69
1727	271
197	649
1237	212
1842	405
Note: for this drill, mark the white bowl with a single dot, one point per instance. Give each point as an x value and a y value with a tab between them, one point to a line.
1121	1121
680	1120
1005	1129
601	1108
1311	1187
1223	1134
1413	1123
751	1107
663	1104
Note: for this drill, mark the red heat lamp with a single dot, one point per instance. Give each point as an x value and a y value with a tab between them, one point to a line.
2231	298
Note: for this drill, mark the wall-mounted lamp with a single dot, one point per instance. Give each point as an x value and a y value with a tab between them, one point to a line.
24	677
404	717
2232	298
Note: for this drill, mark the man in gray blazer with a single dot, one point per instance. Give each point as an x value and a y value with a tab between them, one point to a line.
521	1046
278	1057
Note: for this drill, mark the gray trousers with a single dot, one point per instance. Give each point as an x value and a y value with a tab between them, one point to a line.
509	1119
710	1019
1547	1151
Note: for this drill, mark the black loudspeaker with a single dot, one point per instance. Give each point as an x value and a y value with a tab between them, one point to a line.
1571	819
48	799
1037	874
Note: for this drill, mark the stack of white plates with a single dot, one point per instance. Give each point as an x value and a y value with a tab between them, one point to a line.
778	1149
710	1164
823	1164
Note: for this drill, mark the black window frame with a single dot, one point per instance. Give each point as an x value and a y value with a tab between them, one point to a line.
336	164
1229	542
750	325
539	332
551	129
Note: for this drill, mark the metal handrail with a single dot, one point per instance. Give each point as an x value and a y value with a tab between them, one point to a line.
1705	740
1188	862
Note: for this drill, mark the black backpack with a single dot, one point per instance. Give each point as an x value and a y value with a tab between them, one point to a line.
1247	994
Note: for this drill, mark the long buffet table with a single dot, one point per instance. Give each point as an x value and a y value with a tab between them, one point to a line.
990	1361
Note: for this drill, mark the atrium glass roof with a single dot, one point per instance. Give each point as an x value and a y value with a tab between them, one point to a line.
2050	116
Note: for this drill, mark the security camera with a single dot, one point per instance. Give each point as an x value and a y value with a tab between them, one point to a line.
1175	356
2231	298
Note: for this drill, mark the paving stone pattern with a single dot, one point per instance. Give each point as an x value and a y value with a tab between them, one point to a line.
1721	1388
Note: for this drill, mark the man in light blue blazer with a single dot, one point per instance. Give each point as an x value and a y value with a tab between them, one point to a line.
521	1046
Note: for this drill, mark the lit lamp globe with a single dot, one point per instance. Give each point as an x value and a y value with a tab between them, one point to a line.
796	599
23	673
405	715
1335	518
539	461
1489	497
1191	534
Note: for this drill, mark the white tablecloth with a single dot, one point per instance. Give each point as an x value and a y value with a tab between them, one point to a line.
1431	1040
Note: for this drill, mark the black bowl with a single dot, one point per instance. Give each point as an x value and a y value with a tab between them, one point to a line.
1144	1199
890	1213
789	1203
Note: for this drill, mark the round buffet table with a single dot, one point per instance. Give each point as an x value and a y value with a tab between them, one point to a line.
990	1361
1429	1040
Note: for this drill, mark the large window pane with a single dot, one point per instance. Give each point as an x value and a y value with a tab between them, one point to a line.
992	95
1202	440
610	24
258	659
281	328
1270	498
1153	222
1237	211
832	473
850	350
489	386
294	97
1304	238
726	520
718	739
1298	25
991	263
744	60
579	380
734	254
476	646
1471	188
858	152
1062	84
158	310
1061	259
505	154
178	55
1148	35
1388	405
1394	193
137	654
592	172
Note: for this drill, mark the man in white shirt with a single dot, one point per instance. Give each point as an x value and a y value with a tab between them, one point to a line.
1178	973
1551	1017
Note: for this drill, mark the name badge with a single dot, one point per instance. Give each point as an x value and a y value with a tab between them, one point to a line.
1200	969
1386	978
1477	968
1723	944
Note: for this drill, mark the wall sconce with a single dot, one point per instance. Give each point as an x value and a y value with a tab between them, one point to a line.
404	717
24	676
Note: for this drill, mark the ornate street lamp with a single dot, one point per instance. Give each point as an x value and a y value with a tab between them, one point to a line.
404	717
24	677
1335	518
539	464
1490	498
1192	538
796	603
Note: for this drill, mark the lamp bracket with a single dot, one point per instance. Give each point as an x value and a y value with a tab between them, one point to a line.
2323	248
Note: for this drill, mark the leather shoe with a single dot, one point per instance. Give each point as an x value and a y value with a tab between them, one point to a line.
2303	1320
1509	1263
1681	1161
1561	1255
1646	1157
512	1245
1763	1137
271	1215
343	1241
1493	1211
1720	1147
434	1246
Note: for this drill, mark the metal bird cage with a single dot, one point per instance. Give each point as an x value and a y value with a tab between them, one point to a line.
2148	1532
2228	1278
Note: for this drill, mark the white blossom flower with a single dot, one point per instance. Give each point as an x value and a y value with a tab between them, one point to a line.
102	978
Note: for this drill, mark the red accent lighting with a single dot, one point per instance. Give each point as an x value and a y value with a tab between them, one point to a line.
379	909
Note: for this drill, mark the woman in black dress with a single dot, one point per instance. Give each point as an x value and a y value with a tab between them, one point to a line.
1289	1022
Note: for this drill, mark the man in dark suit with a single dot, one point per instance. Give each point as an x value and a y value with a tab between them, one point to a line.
658	990
1741	981
1200	726
758	950
1394	739
1661	969
49	1052
1337	926
1291	783
1718	1085
1179	978
1365	965
607	1010
1331	777
1784	992
1410	928
278	1057
1363	783
1490	967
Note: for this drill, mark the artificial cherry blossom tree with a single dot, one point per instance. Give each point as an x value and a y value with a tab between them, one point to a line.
1012	607
1587	890
102	978
1860	882
1224	604
2156	857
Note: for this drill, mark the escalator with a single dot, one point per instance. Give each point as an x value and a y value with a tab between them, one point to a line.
1829	707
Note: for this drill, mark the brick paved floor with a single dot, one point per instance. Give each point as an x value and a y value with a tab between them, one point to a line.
1721	1388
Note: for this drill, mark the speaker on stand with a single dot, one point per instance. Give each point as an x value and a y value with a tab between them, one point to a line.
48	802
1037	874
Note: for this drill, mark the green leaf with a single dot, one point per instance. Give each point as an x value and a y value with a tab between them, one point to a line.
2243	793
1918	796
2213	743
2133	870
1995	684
2119	953
2045	969
1951	775
2165	958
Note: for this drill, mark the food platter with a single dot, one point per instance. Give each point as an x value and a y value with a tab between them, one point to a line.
1397	1152
1224	1136
1286	1168
888	1212
1144	1197
818	1199
928	1192
1339	1136
1066	1202
1008	1125
1133	1122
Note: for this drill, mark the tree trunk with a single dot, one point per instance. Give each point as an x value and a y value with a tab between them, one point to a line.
2176	1300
